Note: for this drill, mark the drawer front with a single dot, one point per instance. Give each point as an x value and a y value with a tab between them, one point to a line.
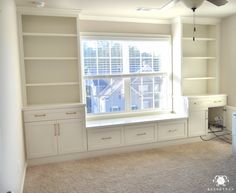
104	138
198	103
140	134
213	101
218	101
174	130
46	115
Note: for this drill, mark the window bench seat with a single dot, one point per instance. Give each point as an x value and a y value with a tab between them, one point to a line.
132	120
111	133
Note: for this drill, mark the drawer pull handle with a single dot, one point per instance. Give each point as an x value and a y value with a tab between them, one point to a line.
141	134
70	113
55	129
172	130
59	129
40	115
106	138
217	101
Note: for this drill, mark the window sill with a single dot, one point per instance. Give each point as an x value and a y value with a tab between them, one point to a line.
132	120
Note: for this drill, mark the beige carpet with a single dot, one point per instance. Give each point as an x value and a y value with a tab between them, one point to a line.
188	168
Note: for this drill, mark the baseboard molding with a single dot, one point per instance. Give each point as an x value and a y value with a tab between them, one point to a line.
23	178
118	150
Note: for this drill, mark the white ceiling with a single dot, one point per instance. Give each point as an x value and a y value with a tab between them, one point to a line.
127	8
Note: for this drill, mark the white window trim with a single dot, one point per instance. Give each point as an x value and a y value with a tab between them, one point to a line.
129	36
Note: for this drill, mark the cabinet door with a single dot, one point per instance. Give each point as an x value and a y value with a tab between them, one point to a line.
71	136
197	123
41	139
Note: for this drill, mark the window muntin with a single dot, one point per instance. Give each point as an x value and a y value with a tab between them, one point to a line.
126	75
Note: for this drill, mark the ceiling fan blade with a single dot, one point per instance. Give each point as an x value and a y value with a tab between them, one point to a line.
218	2
169	4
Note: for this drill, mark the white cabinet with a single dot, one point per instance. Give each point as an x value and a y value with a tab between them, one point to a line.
41	139
49	58
139	134
171	130
106	137
198	112
51	132
196	63
198	123
102	138
70	136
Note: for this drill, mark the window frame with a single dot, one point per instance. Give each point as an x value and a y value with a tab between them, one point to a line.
125	37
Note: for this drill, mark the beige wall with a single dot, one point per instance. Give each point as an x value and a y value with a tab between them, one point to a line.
124	27
12	159
228	59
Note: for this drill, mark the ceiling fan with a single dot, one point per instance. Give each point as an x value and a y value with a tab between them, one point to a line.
192	3
189	3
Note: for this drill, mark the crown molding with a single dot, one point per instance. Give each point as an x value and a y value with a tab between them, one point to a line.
124	19
48	11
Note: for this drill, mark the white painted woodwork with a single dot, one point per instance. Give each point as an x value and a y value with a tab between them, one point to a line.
198	112
139	134
101	138
197	123
54	114
71	137
171	130
54	131
41	139
49	58
196	62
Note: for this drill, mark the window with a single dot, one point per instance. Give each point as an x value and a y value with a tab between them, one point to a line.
122	75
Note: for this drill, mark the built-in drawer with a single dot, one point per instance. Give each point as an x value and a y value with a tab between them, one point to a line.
139	134
101	138
198	103
206	102
171	130
218	101
55	114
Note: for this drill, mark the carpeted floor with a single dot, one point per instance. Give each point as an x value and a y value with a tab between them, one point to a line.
188	168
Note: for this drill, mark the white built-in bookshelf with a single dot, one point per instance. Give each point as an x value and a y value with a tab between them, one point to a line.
50	59
198	59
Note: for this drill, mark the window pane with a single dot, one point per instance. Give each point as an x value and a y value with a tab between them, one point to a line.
90	66
105	95
154	56
90	48
134	64
103	66
156	64
116	49
103	48
112	57
116	66
133	50
148	93
147	65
